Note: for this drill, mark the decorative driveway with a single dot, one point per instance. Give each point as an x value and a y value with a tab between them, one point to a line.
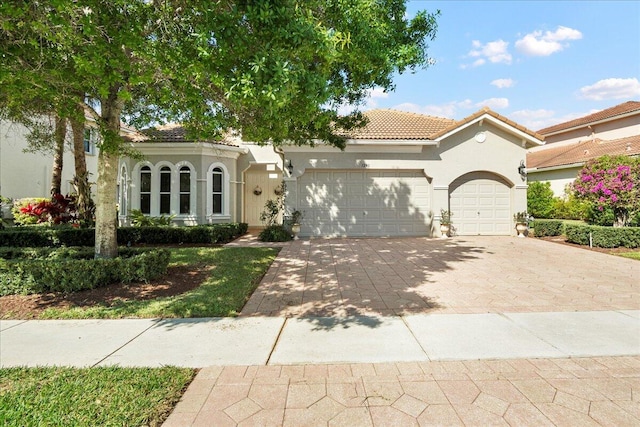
396	276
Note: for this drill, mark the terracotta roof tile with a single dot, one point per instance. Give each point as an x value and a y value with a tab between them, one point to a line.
172	133
393	124
582	151
608	113
487	110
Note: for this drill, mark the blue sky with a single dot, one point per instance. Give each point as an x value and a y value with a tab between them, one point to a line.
536	62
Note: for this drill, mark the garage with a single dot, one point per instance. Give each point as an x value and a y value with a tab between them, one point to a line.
364	203
481	205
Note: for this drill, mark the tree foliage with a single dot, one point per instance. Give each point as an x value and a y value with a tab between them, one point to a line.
611	182
540	199
276	70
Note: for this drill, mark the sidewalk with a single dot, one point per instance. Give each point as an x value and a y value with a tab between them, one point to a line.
291	341
568	368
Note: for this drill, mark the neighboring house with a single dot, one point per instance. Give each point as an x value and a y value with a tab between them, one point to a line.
397	173
393	178
26	174
571	144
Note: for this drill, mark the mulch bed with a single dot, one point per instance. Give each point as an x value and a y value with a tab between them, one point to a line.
178	280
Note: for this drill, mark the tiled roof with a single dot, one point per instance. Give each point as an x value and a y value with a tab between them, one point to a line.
582	151
487	110
609	113
393	124
172	133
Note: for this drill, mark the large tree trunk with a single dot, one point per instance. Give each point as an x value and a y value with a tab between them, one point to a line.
106	226
84	203
56	176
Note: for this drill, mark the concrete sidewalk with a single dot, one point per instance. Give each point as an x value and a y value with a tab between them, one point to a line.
319	340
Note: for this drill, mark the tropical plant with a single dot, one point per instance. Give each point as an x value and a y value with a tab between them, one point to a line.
445	217
296	216
521	217
138	219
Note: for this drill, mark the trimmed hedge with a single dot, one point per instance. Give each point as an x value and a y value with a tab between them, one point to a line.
69	236
38	270
603	237
547	227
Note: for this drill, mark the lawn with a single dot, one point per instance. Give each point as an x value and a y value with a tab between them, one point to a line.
232	276
632	255
109	396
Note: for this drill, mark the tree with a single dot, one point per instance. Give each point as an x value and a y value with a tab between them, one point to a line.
611	182
276	70
540	199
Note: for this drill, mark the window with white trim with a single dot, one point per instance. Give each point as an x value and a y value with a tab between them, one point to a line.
185	190
217	195
145	190
165	190
89	141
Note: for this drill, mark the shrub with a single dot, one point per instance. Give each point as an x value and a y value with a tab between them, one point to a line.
540	199
26	273
25	218
275	233
548	227
70	236
570	207
603	237
138	219
605	217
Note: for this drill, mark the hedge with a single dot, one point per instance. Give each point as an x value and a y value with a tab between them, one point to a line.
69	236
72	269
603	237
547	227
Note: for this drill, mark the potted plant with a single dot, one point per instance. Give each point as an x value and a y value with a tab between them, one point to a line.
296	217
445	222
521	219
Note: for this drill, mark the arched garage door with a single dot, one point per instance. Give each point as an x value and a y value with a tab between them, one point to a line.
364	203
481	204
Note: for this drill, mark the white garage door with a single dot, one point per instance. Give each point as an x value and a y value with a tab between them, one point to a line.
481	204
364	203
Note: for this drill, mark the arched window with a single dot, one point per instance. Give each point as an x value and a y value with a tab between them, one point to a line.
165	190
217	194
145	190
185	190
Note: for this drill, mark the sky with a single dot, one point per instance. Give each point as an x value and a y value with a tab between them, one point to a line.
536	62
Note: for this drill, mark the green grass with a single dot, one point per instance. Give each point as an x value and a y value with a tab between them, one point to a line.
234	275
632	255
109	396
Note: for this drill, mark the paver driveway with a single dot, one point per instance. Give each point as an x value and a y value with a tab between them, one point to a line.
346	277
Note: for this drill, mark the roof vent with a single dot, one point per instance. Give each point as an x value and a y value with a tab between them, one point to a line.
586	152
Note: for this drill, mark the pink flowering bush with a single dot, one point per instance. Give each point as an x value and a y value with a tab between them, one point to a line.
612	182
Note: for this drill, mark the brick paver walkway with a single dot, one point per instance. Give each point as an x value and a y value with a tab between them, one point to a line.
534	392
461	275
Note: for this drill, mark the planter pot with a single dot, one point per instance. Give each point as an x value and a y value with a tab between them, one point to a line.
295	229
444	230
521	228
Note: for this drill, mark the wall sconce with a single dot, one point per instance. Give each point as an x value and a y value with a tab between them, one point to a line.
290	167
257	191
522	170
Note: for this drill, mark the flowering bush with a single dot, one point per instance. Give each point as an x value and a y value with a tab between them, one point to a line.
611	182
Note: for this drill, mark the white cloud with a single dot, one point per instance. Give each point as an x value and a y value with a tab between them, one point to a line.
503	83
611	89
544	44
495	52
494	103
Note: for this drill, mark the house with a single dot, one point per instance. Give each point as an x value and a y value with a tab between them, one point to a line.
398	172
569	145
393	178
